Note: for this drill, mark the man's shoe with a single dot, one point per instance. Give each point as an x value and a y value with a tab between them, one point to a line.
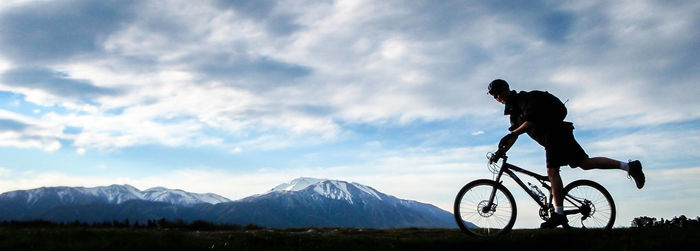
635	171
554	221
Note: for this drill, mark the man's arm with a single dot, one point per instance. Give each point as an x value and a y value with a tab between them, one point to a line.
523	128
510	139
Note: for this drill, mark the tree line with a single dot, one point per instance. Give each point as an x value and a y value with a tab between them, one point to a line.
126	223
678	221
639	222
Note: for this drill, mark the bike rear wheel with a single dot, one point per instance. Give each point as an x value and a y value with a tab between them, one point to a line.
472	216
588	205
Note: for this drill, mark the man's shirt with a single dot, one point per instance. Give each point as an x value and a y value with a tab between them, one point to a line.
536	107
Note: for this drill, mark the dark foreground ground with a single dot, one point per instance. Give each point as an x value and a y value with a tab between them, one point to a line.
90	238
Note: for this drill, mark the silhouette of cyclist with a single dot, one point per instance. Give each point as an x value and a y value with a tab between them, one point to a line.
540	115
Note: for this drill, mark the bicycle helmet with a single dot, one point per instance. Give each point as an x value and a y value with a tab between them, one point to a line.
498	86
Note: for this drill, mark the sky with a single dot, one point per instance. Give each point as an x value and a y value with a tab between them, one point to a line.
236	97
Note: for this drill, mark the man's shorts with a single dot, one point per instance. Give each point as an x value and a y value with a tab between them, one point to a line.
561	148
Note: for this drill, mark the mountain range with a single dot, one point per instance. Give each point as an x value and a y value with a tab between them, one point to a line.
303	202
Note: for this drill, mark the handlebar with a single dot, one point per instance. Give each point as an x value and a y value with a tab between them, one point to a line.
493	158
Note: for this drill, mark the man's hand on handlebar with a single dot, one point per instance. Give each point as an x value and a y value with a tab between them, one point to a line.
503	146
496	156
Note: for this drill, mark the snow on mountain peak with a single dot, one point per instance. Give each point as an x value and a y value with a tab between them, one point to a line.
155	189
116	194
367	189
297	184
333	189
177	196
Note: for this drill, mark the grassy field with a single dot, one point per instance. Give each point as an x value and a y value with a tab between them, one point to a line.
90	238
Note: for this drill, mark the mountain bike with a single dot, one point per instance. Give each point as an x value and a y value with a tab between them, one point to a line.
486	207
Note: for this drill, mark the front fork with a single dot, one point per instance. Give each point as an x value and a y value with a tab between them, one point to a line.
490	206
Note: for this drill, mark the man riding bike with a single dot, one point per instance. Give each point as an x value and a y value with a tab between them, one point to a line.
541	116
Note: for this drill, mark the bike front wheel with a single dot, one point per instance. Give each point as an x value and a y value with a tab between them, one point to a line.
588	205
475	216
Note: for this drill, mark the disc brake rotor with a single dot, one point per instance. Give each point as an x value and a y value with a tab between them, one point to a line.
488	212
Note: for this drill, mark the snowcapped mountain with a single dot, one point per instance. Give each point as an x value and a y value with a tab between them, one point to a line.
334	203
332	189
179	197
114	194
303	202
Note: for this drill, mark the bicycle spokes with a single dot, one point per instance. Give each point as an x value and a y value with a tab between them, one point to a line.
588	205
475	214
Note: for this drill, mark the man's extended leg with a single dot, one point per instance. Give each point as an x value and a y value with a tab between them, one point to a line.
558	217
633	168
600	163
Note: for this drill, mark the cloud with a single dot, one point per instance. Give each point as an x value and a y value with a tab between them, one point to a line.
273	17
629	66
23	132
664	146
55	83
250	73
12	125
256	74
551	22
57	31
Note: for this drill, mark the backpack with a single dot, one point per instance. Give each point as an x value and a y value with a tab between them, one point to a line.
552	109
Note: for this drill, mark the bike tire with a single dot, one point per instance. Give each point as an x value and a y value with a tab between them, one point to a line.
472	198
596	198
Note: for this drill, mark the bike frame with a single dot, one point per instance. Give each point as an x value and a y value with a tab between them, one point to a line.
510	169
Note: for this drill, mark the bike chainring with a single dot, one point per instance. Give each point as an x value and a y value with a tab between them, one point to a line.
545	213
